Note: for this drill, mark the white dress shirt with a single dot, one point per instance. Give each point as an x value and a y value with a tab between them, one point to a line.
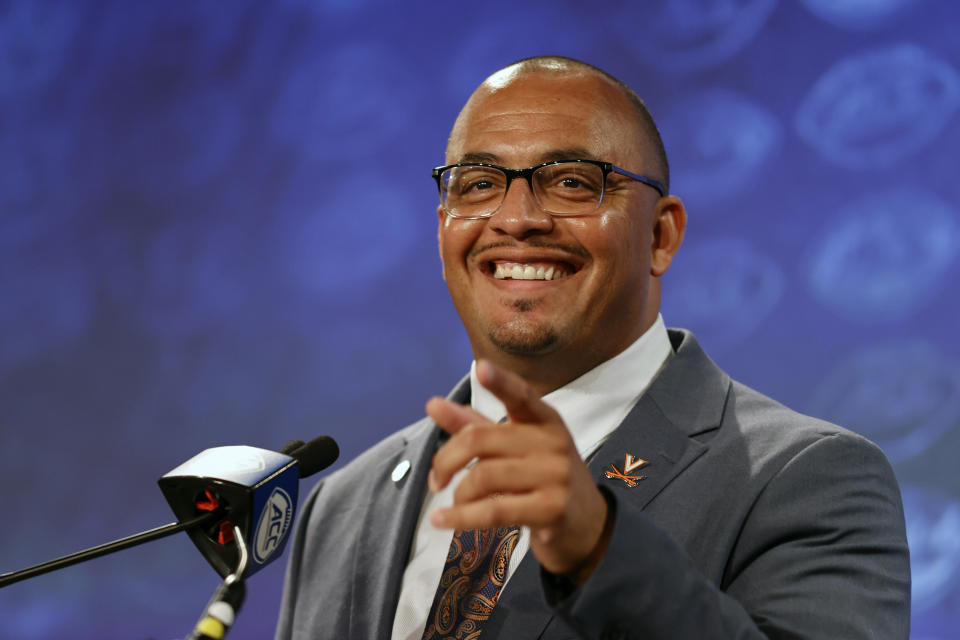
592	407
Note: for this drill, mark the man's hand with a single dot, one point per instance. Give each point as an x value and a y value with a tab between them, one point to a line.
528	472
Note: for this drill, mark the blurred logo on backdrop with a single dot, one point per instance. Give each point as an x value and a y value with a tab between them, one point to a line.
933	519
875	108
872	267
856	14
719	140
904	397
689	35
723	289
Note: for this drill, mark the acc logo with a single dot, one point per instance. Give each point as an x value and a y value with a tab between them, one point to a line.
274	523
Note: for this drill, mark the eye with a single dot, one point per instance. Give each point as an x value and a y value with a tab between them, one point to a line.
473	183
477	185
571	183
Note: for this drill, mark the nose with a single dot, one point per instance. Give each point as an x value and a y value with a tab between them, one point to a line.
520	215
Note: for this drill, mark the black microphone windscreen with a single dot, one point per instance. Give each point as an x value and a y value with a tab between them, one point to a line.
292	446
316	455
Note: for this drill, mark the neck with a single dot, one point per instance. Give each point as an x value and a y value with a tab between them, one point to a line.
550	370
545	373
558	365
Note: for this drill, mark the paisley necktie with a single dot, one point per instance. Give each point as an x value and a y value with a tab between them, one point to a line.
470	584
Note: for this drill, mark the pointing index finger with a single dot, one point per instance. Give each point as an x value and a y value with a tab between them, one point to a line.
521	401
452	417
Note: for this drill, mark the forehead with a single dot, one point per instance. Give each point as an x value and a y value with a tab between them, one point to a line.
537	117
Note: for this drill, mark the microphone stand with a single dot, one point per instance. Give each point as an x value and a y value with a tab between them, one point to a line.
221	611
110	547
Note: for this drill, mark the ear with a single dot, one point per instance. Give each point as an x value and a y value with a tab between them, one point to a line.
669	225
441	218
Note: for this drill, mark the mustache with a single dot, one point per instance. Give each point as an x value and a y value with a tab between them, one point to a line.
570	249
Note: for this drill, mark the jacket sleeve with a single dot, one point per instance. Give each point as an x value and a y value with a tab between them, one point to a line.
822	553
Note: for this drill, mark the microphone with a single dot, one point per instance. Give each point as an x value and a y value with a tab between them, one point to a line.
207	505
253	490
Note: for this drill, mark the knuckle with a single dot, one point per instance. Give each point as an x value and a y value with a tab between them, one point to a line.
472	436
481	478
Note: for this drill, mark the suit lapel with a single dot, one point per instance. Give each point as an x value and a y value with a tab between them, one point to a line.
685	400
387	532
383	543
648	436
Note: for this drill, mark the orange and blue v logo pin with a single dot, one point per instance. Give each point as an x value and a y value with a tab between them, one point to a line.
630	464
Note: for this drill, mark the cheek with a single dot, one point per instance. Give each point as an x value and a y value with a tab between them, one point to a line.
455	239
613	224
613	237
621	247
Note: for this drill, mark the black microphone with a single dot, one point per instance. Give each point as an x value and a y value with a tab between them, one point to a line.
273	523
208	505
253	490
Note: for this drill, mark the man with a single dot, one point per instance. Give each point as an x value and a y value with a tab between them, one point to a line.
703	510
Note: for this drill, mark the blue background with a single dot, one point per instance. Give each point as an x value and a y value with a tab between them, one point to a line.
217	226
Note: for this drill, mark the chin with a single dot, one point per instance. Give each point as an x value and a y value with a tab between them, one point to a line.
523	340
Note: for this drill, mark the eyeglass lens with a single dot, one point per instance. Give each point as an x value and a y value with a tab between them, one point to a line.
565	188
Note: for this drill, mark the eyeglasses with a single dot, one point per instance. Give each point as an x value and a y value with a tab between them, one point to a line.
562	188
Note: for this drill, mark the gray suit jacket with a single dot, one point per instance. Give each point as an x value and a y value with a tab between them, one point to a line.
752	522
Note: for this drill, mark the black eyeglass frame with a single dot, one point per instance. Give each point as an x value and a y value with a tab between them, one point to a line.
606	167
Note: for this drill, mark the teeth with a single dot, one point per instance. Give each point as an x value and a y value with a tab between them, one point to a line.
528	272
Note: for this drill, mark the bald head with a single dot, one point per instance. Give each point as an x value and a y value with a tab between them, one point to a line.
656	166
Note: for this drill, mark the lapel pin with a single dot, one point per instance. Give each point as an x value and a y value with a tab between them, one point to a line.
630	464
400	470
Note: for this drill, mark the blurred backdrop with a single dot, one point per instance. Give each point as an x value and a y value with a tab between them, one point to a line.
217	226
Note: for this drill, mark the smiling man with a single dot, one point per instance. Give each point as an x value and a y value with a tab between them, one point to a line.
632	490
605	237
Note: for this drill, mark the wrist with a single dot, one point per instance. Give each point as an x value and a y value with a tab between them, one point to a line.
582	572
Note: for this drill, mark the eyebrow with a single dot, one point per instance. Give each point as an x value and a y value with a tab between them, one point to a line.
479	156
569	153
553	155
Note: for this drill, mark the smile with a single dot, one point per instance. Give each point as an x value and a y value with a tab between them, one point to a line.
528	271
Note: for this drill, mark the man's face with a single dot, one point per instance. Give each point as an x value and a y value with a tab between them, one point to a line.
596	303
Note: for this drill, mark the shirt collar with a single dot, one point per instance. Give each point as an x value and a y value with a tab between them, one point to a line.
594	404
